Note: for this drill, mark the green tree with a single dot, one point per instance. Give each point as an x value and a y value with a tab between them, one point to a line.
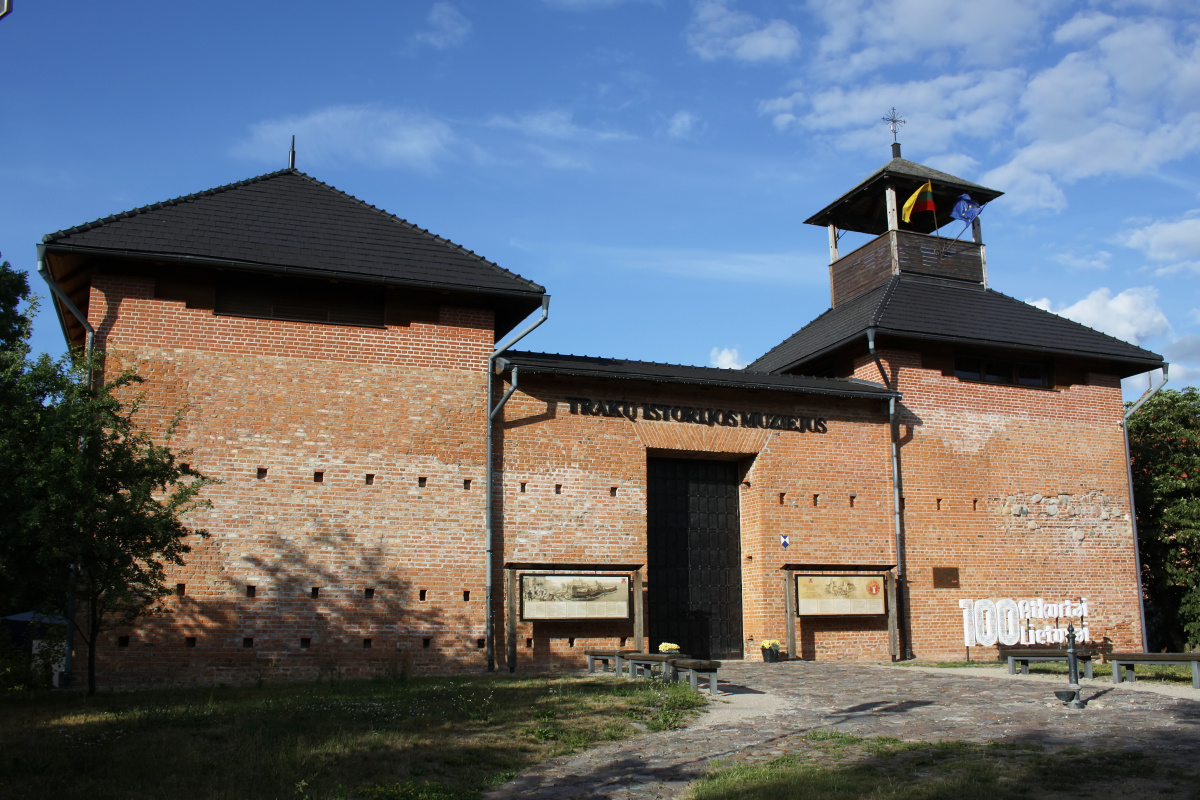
1164	443
96	506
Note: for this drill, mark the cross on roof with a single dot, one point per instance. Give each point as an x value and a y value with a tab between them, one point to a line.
894	122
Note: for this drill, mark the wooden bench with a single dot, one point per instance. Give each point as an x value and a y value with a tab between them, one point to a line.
638	661
1127	661
1024	657
694	668
615	656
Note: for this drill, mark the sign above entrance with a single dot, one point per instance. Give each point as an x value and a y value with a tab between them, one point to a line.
823	594
662	412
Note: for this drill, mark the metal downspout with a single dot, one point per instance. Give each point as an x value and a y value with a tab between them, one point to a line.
89	347
489	471
1137	551
897	482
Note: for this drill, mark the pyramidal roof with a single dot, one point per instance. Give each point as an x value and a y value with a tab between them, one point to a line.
864	208
289	221
915	307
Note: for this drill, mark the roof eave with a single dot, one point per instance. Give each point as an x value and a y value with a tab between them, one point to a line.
882	394
256	266
1147	364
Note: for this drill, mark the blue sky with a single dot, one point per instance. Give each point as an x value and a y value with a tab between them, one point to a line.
650	163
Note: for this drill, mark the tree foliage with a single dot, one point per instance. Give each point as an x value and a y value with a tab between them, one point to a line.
93	507
1164	443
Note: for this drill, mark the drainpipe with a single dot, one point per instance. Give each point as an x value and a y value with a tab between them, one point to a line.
490	472
897	482
1137	553
89	347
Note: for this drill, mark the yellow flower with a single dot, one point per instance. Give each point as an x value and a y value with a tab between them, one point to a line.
667	647
769	643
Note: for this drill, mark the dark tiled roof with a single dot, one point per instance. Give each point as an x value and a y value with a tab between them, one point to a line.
925	308
863	208
292	221
618	368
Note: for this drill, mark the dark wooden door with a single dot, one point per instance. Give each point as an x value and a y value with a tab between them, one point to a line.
694	556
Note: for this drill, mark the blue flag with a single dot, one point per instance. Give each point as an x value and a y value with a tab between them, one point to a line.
966	209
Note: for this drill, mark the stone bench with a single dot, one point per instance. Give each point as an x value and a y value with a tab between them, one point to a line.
694	668
639	661
615	656
1024	657
1127	661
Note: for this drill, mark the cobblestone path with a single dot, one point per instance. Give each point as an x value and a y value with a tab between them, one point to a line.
765	705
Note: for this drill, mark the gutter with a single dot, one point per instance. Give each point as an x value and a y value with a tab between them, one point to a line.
1137	553
89	350
897	519
494	361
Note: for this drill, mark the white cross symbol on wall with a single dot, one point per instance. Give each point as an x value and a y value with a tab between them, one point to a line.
783	540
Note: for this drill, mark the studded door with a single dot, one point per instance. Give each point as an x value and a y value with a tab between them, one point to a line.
694	556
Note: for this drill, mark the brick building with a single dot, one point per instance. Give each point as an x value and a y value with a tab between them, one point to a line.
332	365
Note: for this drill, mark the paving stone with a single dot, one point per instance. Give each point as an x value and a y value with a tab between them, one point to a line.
864	700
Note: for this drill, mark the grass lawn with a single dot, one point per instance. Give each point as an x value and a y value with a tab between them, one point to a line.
421	738
835	766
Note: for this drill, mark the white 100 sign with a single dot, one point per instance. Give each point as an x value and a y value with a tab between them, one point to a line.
986	622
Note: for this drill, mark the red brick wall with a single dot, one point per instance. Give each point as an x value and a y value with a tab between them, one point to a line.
407	402
544	445
401	403
984	450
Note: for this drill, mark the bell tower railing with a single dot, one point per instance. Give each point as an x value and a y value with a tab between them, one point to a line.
905	252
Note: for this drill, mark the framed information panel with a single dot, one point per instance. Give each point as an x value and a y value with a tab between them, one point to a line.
822	594
574	596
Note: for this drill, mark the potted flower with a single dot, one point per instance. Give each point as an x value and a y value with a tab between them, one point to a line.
770	648
666	648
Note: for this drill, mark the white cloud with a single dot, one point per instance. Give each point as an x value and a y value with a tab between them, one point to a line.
726	358
1185	349
366	135
447	27
1175	242
863	35
1097	259
718	31
683	125
553	124
1084	27
1133	315
1120	101
970	105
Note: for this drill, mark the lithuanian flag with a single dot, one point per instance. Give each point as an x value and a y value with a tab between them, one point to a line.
921	200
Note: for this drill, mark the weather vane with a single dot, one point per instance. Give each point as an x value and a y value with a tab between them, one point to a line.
894	122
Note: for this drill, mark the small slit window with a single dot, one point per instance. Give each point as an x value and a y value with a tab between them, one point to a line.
1002	371
370	479
300	301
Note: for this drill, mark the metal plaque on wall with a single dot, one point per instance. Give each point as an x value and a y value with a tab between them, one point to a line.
822	594
574	596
